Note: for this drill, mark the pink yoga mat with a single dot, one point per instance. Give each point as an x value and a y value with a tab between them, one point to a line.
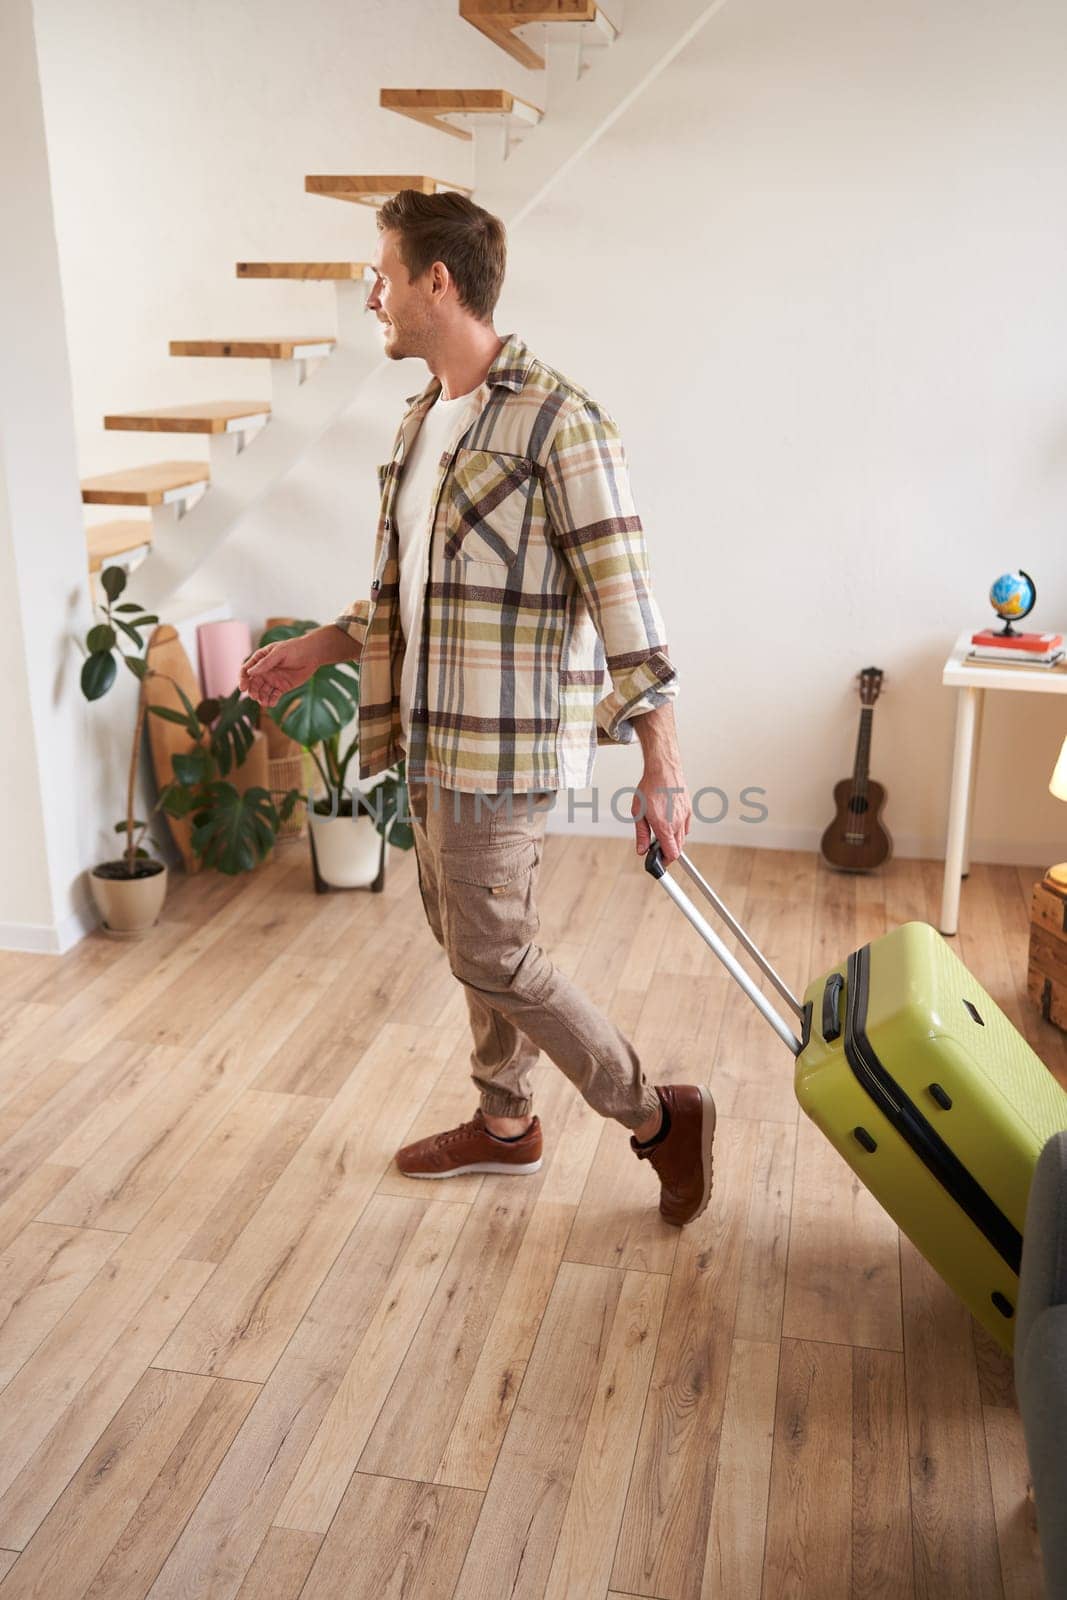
222	646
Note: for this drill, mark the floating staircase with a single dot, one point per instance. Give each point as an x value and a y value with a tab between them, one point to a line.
450	109
518	151
291	347
514	26
115	543
209	416
307	271
490	118
377	189
208	499
167	488
160	483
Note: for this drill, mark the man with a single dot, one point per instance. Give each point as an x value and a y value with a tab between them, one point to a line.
510	569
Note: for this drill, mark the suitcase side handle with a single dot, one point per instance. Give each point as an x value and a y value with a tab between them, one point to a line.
656	867
831	1007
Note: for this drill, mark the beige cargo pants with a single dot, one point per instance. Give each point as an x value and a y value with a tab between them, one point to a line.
478	858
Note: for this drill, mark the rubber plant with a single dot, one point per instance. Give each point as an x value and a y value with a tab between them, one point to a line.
230	830
316	714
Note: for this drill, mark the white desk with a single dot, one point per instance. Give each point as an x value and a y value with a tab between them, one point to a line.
972	682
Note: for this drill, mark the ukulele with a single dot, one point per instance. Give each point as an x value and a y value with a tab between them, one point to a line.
856	839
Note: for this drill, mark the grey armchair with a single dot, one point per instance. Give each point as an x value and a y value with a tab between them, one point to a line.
1041	1355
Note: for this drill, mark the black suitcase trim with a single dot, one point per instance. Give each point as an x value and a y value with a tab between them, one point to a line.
910	1123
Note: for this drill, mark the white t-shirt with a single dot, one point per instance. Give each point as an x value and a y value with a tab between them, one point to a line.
442	425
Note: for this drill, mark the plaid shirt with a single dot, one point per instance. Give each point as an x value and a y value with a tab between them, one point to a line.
538	581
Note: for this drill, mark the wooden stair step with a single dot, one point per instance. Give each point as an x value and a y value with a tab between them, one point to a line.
309	271
106	540
498	19
290	348
207	416
376	189
149	485
434	106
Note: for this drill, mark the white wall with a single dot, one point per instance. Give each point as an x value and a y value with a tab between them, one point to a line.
816	271
51	766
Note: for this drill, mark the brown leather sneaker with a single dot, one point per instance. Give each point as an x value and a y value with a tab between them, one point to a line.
683	1158
470	1148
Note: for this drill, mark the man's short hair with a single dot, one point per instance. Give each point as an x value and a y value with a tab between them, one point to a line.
450	228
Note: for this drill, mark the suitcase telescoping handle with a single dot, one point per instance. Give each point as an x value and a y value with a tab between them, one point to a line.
655	865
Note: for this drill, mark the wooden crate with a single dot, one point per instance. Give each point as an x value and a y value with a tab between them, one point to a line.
1047	972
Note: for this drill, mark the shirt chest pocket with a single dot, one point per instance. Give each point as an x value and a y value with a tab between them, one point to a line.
487	506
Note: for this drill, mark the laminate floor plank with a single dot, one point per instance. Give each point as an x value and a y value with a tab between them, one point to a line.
809	1519
359	996
409	1540
954	1554
221	1541
320	1484
250	1308
28	1196
121	1180
86	1365
59	1102
409	1440
255	959
110	1530
843	1280
761	1294
281	1567
470	1452
585	1546
21	1023
42	1273
1013	1504
163	966
882	1557
668	1508
518	1529
71	1427
737	1532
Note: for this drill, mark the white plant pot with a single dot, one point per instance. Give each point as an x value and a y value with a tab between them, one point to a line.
348	850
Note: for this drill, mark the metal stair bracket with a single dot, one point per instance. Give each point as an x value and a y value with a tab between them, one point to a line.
569	48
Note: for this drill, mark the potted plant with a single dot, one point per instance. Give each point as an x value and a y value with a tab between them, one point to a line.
349	829
231	830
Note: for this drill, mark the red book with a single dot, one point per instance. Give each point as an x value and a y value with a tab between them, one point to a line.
1035	644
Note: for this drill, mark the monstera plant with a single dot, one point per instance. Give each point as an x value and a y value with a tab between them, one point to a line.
230	830
321	715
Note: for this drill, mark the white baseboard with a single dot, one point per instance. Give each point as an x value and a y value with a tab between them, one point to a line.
50	939
771	836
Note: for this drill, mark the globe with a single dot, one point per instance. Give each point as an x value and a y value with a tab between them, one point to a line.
1012	597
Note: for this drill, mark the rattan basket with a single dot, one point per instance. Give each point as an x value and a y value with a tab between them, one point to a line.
288	772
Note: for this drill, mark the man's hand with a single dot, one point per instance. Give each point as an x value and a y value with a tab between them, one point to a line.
668	812
663	789
274	669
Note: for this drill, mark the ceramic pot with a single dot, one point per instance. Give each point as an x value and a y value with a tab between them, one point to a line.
129	906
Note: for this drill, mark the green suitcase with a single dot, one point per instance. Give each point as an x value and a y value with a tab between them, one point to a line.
920	1081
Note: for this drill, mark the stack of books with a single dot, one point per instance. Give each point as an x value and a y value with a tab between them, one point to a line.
1016	649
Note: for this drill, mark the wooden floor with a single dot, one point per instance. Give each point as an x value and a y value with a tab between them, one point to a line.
242	1356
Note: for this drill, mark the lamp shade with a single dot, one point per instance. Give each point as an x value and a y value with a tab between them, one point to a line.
1058	781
